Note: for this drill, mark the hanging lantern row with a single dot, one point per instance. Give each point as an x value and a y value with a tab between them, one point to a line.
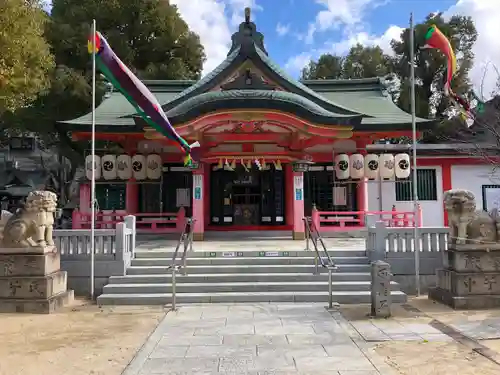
124	167
261	164
372	166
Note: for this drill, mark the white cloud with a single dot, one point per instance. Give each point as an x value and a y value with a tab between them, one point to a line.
207	19
484	13
282	30
297	63
214	21
346	13
364	38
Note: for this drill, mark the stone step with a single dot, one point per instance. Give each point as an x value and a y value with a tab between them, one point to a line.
358	297
144	253
245	261
241	287
238	277
265	268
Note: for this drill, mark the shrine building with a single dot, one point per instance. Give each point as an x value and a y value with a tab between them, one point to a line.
273	151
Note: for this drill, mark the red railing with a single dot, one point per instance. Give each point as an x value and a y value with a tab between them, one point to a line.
328	221
155	222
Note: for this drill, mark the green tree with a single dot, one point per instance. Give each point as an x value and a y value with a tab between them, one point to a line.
25	57
149	36
430	65
365	62
360	62
328	66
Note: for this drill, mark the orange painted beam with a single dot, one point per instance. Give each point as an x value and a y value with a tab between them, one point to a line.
245	137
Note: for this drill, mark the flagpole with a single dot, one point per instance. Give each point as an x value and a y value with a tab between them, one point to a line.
92	188
416	219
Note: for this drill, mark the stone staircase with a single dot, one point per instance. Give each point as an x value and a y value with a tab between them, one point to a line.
244	276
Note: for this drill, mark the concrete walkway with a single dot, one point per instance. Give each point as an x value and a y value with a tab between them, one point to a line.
254	339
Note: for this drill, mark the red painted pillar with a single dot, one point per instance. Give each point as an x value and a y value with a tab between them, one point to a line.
199	195
362	186
206	185
362	198
295	202
446	176
85	198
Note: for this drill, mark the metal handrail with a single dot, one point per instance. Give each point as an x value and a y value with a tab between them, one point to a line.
312	233
186	239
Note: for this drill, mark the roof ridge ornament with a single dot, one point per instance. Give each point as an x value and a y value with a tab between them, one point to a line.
247	80
247	14
247	37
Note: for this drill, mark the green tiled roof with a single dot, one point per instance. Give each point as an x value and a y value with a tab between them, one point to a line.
367	96
205	80
245	95
116	110
372	103
341	99
283	75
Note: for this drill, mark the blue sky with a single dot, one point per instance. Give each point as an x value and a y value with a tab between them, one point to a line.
376	21
337	25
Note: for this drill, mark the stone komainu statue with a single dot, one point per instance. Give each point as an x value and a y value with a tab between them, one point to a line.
467	225
4	217
32	224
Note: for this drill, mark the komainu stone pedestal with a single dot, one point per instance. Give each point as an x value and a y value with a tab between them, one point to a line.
471	277
31	281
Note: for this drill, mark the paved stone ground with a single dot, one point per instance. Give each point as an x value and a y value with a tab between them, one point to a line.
386	330
255	339
486	329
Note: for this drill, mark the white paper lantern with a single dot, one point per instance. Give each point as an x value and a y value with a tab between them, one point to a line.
139	167
124	167
372	166
154	166
342	166
402	165
357	166
109	170
386	166
97	167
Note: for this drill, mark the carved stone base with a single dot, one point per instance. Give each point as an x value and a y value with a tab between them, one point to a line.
36	287
473	260
471	279
469	283
29	250
32	282
29	264
475	247
37	306
464	302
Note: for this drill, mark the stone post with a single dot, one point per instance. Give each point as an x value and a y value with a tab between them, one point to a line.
130	222
381	289
378	244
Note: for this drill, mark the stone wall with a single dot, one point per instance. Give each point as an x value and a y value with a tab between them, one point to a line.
395	246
